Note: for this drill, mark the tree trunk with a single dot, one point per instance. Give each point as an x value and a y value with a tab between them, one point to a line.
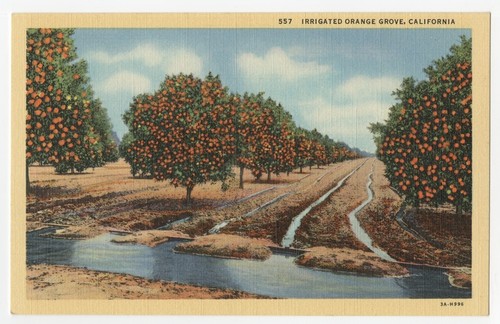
458	206
72	169
310	167
301	169
28	188
268	176
241	176
189	190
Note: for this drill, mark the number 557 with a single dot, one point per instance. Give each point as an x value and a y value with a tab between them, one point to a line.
284	21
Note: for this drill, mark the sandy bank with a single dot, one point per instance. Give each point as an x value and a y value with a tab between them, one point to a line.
63	282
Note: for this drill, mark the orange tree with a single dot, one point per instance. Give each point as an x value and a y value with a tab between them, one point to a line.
108	151
59	104
329	150
263	151
286	147
248	125
271	146
134	153
186	129
426	143
343	152
135	145
318	151
303	149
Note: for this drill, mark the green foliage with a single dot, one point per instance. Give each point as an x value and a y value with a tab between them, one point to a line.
65	125
426	142
183	133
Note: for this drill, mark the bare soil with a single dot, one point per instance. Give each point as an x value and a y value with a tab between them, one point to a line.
460	278
228	246
273	222
110	198
62	282
350	260
328	224
149	238
452	232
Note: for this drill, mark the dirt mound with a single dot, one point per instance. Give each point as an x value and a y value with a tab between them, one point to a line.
228	246
349	260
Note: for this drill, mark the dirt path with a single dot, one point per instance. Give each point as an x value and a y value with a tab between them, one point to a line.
63	282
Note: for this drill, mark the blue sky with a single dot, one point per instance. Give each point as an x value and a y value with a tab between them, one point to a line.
335	80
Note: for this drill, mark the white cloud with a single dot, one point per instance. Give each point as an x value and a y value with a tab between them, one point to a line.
183	60
126	81
147	54
363	87
277	63
171	60
346	112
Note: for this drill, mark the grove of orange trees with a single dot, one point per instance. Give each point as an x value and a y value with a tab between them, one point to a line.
426	143
65	126
192	131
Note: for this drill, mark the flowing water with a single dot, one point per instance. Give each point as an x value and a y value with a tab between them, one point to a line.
296	221
359	231
277	277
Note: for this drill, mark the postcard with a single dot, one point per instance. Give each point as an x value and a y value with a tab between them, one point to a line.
250	164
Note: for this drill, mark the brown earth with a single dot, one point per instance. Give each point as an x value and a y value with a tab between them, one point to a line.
460	277
451	232
110	198
149	238
273	222
448	231
228	246
349	260
62	282
328	224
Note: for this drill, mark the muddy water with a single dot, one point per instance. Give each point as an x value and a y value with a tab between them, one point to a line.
276	277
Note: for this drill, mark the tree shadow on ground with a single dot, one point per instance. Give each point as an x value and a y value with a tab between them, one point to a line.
48	191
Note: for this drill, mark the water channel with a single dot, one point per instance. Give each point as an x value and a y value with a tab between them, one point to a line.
278	276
